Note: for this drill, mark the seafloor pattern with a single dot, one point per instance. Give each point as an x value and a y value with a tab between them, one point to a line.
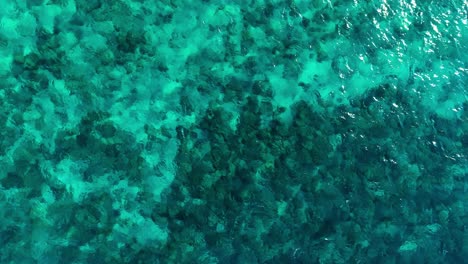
269	131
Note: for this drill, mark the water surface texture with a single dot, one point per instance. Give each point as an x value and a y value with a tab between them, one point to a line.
268	131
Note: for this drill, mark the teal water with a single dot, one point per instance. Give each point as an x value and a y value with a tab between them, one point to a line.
240	131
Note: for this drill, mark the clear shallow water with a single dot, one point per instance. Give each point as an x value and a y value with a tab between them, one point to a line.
233	132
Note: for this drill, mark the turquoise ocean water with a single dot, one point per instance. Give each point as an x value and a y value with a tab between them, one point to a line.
270	131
